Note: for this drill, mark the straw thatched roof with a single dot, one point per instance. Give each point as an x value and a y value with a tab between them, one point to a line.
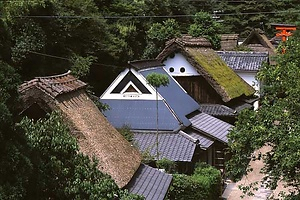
207	63
95	136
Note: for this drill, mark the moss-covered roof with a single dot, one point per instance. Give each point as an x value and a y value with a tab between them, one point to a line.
226	82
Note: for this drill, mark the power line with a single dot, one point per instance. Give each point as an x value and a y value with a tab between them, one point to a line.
149	16
68	59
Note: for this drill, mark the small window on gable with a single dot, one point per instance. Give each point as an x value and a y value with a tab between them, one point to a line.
182	69
131	89
171	69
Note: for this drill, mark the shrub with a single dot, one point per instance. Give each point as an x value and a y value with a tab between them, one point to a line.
168	165
204	184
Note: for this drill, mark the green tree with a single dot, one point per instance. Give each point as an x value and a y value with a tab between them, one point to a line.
60	171
275	123
158	34
242	16
204	25
157	80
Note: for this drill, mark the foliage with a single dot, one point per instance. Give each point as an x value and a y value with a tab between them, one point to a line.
59	170
276	123
168	165
81	66
204	184
158	34
157	80
204	25
126	133
14	163
242	16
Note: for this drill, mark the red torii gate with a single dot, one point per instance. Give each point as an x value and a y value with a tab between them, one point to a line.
285	31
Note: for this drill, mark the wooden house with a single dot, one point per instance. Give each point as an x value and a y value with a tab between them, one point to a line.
203	74
95	135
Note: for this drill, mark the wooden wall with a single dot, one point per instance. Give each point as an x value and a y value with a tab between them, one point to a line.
198	88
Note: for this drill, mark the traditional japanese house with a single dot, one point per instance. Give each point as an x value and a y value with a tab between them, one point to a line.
203	74
246	64
95	135
136	108
257	41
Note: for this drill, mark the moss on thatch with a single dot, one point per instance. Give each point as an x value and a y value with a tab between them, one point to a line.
229	84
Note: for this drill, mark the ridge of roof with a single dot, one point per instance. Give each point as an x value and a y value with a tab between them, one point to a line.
54	85
144	64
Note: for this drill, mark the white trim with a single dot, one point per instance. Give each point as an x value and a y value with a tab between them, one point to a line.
130	83
134	96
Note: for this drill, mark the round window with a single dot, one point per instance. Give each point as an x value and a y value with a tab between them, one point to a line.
171	69
182	69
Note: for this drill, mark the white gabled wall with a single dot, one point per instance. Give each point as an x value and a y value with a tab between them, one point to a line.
130	95
179	66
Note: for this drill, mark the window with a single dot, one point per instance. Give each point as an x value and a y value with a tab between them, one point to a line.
171	69
182	69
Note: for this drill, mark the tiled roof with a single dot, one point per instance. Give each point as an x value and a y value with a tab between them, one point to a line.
244	61
179	101
211	126
204	141
217	110
142	64
140	114
173	146
150	183
54	85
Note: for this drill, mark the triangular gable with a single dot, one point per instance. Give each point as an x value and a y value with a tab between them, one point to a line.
130	85
215	71
257	36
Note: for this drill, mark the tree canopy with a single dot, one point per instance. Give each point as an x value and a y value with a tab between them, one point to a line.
276	123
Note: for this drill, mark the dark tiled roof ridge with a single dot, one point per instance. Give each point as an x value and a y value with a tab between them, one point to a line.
184	134
244	53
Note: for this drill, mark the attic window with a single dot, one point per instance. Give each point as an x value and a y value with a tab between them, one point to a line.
131	89
171	69
182	69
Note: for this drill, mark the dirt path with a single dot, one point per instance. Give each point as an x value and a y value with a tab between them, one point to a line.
232	192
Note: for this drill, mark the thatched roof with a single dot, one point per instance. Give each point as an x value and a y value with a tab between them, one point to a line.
187	40
96	137
258	37
229	41
207	63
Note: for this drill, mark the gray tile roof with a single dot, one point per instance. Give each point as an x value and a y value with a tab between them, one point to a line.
179	101
244	61
210	126
140	114
150	183
173	146
217	110
204	141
